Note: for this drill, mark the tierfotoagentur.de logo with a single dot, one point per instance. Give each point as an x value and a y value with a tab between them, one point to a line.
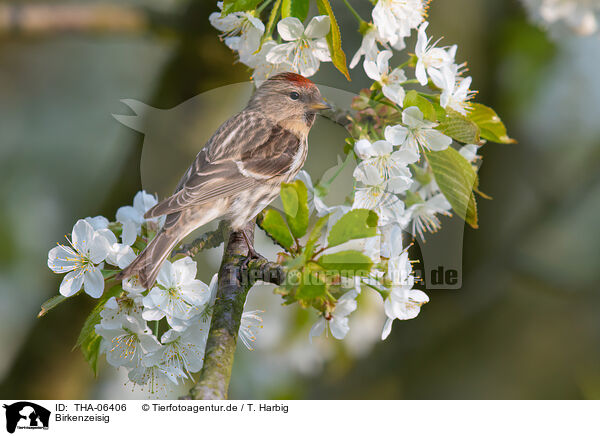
26	415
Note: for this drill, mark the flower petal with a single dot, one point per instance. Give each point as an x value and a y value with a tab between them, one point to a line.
290	28
98	248
339	327
396	134
383	59
165	275
82	235
381	148
321	50
143	202
371	69
317	329
394	92
184	271
307	64
62	259
436	140
71	284
318	27
387	329
280	53
129	213
412	117
93	283
420	73
130	232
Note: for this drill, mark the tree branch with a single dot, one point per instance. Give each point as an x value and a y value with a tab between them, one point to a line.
233	287
208	240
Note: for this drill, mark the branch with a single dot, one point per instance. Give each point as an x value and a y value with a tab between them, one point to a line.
208	240
213	382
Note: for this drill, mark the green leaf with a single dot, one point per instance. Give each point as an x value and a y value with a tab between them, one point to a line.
295	205
295	8
334	39
311	287
50	304
491	126
91	350
271	22
347	263
458	127
314	236
456	179
413	98
274	225
356	224
88	340
230	6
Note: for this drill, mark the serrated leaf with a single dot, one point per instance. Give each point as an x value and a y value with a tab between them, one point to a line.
295	8
230	6
456	179
334	39
491	126
356	224
274	225
458	127
413	98
294	197
347	263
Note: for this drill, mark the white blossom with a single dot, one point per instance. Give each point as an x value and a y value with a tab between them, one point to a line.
126	345
391	80
180	350
417	132
378	194
124	311
429	57
250	320
455	89
396	18
264	69
424	215
156	378
119	254
80	261
305	49
132	217
381	156
368	47
242	31
338	324
403	302
469	152
178	295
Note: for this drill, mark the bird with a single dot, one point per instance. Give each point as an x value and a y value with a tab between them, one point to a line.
239	171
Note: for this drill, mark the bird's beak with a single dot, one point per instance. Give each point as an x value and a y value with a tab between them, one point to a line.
320	105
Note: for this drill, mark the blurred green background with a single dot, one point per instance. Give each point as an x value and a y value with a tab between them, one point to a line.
525	323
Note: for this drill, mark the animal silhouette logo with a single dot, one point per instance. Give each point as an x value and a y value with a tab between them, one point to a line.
26	415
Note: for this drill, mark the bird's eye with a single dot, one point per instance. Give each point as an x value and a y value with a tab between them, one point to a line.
294	95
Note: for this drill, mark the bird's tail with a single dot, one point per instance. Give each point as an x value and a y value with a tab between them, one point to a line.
148	263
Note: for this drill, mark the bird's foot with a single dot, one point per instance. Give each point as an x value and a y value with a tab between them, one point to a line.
252	253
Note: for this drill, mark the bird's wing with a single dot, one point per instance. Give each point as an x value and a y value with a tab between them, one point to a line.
245	155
